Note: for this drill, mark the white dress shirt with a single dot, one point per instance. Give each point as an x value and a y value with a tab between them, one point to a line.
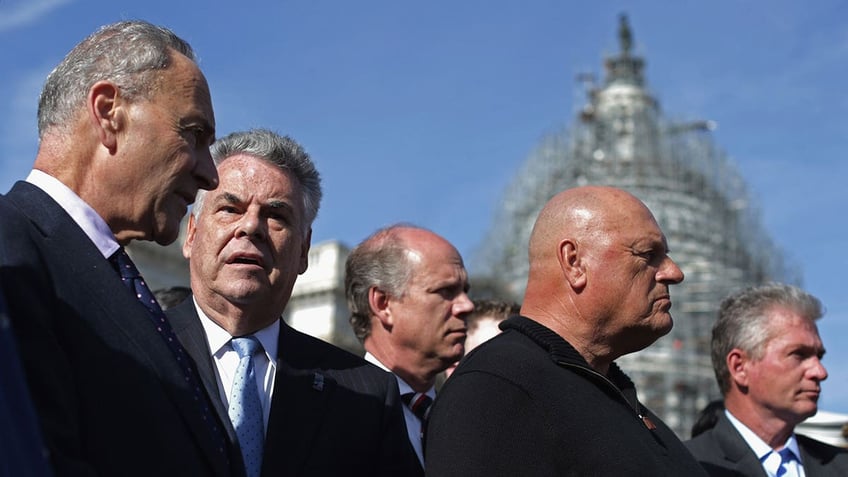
413	424
767	456
226	360
88	220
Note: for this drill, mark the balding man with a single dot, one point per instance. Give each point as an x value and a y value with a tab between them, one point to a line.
545	396
407	291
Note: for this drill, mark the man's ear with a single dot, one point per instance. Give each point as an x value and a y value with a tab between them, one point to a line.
572	264
106	108
304	253
737	364
379	303
189	239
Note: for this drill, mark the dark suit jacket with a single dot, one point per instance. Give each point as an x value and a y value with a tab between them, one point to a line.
22	452
332	413
110	395
724	453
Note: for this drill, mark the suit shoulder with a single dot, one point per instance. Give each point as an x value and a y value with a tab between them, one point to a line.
823	451
701	444
308	351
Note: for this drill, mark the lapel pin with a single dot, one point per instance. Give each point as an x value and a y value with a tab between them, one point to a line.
318	382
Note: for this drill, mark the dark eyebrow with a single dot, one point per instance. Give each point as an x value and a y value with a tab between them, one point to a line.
231	198
203	123
278	204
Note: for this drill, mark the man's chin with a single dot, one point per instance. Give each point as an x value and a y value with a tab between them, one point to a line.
167	234
665	325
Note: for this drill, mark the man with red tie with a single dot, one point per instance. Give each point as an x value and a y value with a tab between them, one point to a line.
407	290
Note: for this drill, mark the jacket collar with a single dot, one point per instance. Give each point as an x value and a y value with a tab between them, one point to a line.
561	351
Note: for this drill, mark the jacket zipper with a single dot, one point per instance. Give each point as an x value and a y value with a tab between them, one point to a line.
645	419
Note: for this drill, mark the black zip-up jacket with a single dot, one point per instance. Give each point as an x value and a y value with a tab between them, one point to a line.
526	403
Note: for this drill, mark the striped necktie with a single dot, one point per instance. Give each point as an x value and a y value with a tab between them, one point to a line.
419	404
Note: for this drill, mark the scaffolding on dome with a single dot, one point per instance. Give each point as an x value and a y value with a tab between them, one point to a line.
714	229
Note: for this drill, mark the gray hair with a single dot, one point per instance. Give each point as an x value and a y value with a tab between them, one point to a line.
743	322
281	151
381	261
130	54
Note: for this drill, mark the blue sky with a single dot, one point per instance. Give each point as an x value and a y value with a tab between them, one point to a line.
424	111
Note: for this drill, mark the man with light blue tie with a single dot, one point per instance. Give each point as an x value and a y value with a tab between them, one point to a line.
294	404
766	354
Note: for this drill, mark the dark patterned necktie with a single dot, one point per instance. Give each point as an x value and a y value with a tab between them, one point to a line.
135	283
419	404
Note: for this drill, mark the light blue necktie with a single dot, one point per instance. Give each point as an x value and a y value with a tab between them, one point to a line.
246	407
786	468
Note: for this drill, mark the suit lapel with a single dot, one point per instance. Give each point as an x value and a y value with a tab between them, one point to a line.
300	401
736	450
96	283
189	330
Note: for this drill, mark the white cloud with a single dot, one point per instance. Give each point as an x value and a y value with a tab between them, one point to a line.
27	12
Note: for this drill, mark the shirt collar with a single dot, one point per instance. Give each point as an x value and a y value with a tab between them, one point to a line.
760	448
403	387
219	338
792	444
87	218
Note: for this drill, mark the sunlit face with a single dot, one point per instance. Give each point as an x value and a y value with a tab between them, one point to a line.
166	150
630	273
247	243
786	380
430	316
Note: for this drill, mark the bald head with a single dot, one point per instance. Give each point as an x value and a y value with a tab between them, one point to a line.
583	213
600	272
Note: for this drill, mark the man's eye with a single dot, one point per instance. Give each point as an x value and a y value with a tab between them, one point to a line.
196	133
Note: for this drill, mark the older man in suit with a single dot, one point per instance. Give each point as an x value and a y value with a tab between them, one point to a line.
767	353
298	405
125	122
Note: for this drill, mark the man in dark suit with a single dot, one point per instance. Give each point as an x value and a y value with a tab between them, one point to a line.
407	289
321	411
125	122
766	354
